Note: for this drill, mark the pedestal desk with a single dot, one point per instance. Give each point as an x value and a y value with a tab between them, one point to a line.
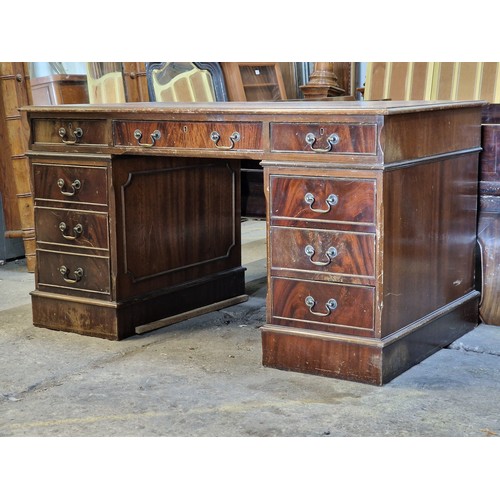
371	224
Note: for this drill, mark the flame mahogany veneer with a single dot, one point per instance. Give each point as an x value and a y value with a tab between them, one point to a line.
371	221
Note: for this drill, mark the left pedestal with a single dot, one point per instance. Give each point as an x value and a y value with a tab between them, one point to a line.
127	244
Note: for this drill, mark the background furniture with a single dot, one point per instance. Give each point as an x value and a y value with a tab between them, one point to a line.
466	80
346	73
135	81
59	89
10	248
398	81
137	224
15	183
105	82
489	216
254	81
185	82
432	81
323	83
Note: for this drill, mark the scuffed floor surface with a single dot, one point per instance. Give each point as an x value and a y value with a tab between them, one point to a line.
204	377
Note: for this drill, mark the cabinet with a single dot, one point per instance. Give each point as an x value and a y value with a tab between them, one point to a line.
59	89
489	216
15	182
254	81
371	215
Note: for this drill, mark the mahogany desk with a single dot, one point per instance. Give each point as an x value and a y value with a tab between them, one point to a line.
371	223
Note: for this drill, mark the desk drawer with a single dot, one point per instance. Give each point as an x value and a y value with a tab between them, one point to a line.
332	138
323	198
76	228
337	252
70	132
73	271
235	136
323	306
70	183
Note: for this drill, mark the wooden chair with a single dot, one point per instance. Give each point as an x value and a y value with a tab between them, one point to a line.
185	82
105	83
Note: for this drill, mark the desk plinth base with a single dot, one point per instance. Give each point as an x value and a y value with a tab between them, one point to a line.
371	361
116	321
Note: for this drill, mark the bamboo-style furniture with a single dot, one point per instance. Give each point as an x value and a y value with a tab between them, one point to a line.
15	185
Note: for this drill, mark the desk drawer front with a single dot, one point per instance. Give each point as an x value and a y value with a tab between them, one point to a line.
70	183
336	138
323	199
76	228
73	271
320	305
338	252
235	136
70	132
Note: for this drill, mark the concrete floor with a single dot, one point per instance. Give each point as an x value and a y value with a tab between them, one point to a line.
203	377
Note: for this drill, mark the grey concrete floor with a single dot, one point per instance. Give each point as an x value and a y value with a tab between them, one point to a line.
203	377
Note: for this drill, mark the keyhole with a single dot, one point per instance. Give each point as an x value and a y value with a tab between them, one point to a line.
321	131
185	129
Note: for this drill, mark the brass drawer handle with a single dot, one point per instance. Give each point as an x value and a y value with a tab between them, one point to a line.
330	306
77	230
331	253
78	134
332	139
234	137
331	200
78	273
75	185
154	137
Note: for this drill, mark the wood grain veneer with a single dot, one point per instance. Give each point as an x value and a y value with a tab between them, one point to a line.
397	199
